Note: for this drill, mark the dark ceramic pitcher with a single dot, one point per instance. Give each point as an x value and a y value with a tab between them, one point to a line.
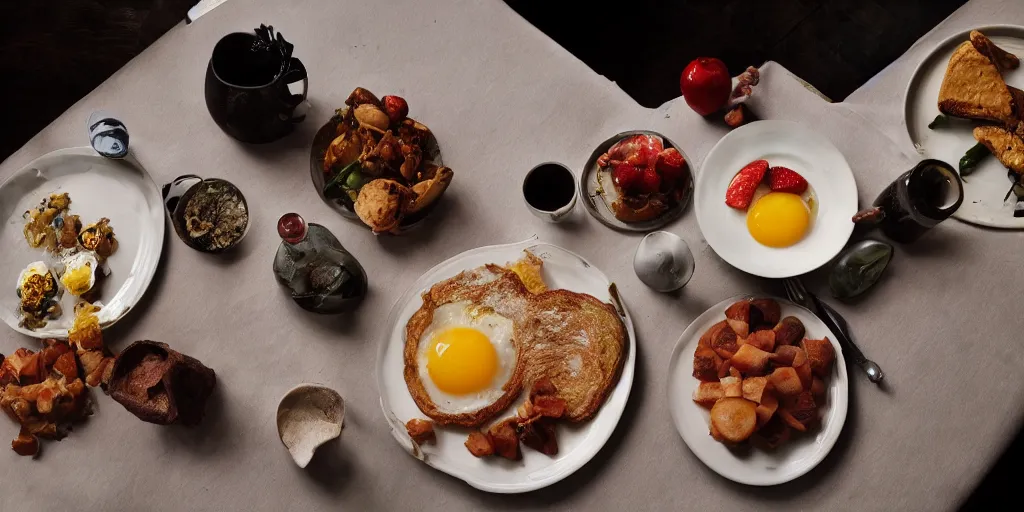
247	86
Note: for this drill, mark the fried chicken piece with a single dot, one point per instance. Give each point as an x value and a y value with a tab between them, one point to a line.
362	96
381	204
66	366
479	444
412	158
86	337
421	431
343	150
26	444
428	191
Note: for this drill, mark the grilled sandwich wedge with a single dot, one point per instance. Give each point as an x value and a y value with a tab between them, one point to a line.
973	86
1007	146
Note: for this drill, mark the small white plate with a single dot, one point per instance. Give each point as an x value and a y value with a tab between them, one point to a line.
577	443
754	467
120	190
985	188
790	145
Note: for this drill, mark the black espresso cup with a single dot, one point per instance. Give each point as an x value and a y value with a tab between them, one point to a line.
247	86
918	200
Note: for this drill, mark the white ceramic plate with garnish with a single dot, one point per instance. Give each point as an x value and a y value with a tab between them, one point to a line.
120	190
750	465
577	443
985	188
787	144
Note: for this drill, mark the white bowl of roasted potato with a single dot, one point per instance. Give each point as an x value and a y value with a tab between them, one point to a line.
758	389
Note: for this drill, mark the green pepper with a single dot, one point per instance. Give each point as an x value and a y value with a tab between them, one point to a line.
940	121
335	187
972	158
354	180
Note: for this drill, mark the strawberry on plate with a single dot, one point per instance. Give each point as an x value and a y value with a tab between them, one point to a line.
784	179
741	190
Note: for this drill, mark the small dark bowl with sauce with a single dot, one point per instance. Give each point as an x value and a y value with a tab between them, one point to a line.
209	215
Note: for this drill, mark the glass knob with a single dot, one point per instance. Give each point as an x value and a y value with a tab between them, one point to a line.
292	228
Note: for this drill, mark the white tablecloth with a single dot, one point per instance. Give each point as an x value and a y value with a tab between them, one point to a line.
501	97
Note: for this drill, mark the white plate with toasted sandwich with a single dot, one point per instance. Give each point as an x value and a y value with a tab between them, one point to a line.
750	463
577	442
986	187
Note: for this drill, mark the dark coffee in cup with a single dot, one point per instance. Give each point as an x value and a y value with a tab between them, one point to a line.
549	187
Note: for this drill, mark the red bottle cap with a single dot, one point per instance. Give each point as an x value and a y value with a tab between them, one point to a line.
292	228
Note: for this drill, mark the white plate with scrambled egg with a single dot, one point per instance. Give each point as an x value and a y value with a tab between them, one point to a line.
831	200
577	442
753	465
119	190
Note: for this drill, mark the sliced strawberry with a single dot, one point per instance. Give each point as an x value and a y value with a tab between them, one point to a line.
650	182
670	165
626	176
741	190
784	179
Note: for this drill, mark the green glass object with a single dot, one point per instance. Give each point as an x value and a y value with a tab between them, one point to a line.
859	268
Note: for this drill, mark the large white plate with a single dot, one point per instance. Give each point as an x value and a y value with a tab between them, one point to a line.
120	190
577	444
790	145
985	188
754	466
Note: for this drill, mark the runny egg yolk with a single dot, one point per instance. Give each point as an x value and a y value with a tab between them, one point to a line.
461	360
778	219
77	280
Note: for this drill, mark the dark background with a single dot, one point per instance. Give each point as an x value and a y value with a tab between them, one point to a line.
56	51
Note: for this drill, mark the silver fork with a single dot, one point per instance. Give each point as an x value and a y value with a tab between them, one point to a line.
836	323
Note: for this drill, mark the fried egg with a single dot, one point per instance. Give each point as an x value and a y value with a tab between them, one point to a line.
36	287
33	269
779	219
465	356
80	272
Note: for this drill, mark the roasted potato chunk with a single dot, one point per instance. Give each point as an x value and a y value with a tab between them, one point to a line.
750	360
707	393
786	381
738	317
756	388
788	331
763	339
734	419
820	354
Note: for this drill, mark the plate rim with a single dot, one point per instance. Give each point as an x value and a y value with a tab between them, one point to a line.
915	77
588	450
648	226
731	260
146	278
676	411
